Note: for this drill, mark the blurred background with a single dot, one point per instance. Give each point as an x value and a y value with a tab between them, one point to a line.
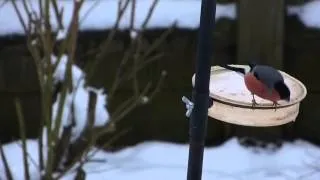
281	33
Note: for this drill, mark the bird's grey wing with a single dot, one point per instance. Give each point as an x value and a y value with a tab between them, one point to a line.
267	75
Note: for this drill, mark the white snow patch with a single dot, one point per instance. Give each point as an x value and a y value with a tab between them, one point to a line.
59	73
103	14
230	161
62	33
79	97
13	153
159	160
307	13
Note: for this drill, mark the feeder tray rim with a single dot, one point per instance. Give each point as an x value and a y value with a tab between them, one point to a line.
239	111
241	104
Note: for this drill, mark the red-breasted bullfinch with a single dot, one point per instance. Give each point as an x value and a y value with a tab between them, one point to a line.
264	81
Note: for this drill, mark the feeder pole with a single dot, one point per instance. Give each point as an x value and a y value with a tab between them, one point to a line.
200	94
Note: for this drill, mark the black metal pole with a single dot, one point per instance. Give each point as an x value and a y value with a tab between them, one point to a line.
200	95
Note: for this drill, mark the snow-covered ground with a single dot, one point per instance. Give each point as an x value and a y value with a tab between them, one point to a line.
160	160
102	14
308	13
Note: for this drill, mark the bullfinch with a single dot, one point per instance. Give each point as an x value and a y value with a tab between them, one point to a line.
264	81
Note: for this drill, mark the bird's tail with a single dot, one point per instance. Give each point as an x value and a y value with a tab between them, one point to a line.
283	90
236	69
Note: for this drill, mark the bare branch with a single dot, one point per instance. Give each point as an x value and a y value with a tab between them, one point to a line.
5	163
23	138
19	16
150	11
105	45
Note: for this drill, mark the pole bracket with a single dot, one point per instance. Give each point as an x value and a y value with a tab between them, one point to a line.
189	105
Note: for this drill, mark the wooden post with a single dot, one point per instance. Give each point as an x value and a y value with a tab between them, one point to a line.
260	33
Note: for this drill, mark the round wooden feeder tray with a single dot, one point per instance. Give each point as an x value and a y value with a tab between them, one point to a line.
232	101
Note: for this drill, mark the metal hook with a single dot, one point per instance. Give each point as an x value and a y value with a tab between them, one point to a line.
189	105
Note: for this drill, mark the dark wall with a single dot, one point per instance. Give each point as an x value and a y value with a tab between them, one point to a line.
164	118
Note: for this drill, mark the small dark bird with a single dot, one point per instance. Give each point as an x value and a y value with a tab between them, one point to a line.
264	81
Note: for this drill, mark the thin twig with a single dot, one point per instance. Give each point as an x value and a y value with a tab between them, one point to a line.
120	72
23	138
108	143
4	3
105	45
5	163
33	161
135	59
89	156
150	11
140	60
159	85
125	111
19	16
58	13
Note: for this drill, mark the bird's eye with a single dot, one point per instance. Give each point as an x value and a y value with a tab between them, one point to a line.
256	75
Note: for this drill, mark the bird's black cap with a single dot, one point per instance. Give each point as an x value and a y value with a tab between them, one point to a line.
252	64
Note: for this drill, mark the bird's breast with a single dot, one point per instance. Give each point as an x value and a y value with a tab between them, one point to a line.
256	87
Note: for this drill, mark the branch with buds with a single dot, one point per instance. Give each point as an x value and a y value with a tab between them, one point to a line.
46	40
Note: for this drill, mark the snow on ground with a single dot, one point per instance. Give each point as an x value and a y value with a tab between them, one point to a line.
160	160
103	14
14	156
308	13
186	13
